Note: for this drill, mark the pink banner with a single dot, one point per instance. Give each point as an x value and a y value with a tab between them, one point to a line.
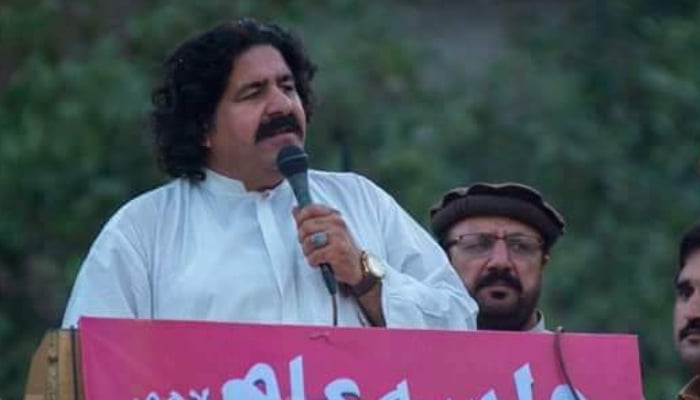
174	360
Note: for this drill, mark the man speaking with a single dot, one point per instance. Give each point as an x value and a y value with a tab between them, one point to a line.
225	240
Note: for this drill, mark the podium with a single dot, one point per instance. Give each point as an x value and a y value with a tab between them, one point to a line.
53	373
188	360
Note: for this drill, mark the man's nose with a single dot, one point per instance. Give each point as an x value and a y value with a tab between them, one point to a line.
499	256
279	102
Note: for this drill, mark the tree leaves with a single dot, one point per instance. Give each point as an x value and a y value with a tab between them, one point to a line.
598	111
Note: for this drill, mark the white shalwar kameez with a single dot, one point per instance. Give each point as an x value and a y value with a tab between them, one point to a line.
214	251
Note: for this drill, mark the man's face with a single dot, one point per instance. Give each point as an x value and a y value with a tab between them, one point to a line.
259	113
504	278
686	315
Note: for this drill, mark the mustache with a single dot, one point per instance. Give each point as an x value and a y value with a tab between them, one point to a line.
693	326
499	276
277	125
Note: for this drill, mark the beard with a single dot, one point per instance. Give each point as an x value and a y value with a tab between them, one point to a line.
496	312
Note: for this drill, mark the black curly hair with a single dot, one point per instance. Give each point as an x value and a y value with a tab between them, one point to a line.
690	243
195	78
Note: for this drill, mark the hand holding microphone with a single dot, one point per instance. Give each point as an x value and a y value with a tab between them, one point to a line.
336	247
323	235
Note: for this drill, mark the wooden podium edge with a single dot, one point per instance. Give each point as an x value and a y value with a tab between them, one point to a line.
54	372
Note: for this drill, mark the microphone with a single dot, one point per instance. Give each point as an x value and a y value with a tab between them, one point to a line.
293	164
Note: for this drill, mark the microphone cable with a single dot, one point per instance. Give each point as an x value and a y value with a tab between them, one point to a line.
334	304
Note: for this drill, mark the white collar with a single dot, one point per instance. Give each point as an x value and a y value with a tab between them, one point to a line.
219	184
540	325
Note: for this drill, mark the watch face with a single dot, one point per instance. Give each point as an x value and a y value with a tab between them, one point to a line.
375	266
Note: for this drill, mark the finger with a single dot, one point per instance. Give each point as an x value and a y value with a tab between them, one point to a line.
327	255
341	259
327	223
316	241
312	211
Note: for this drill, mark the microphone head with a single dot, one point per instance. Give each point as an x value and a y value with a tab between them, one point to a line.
292	160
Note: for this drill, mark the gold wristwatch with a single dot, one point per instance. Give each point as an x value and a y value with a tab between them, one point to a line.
373	270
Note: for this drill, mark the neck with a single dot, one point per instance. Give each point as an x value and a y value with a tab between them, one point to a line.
532	321
262	186
253	182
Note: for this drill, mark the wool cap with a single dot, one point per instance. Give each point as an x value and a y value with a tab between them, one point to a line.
512	200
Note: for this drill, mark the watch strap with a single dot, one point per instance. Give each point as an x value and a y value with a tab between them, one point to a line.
368	281
364	286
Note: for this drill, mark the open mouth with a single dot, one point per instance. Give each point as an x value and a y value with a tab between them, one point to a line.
498	294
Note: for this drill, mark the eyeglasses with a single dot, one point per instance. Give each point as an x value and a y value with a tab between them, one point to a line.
478	245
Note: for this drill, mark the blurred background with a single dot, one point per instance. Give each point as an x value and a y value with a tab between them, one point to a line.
595	103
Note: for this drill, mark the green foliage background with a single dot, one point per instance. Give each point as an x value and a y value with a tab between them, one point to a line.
599	110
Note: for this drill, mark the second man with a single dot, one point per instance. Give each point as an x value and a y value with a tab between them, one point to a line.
498	238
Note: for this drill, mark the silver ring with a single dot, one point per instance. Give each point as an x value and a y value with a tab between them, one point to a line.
319	239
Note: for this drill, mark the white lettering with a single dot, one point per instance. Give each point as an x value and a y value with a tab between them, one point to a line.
523	382
260	383
296	378
203	395
175	396
562	392
341	387
249	388
401	392
491	395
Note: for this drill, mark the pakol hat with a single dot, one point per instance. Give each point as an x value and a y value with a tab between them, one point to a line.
512	200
